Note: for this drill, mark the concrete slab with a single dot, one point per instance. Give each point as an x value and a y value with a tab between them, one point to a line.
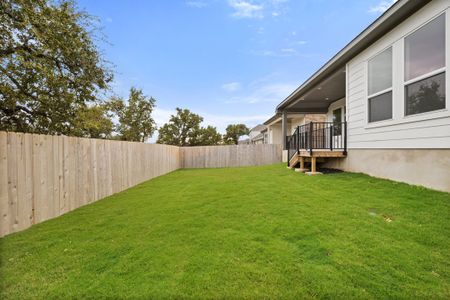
313	173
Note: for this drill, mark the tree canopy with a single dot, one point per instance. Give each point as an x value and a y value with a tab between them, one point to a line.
181	128
50	68
234	132
207	136
94	122
135	116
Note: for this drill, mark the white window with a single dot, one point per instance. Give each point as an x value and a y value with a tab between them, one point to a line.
425	68
380	86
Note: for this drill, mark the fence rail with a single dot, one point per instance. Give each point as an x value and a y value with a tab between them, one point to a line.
42	176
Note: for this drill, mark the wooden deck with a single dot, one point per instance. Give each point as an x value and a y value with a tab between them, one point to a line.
313	157
322	153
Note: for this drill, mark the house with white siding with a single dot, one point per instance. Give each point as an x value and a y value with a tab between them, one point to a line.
384	98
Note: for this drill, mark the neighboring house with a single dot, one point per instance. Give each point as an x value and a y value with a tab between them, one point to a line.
274	125
244	142
257	135
384	95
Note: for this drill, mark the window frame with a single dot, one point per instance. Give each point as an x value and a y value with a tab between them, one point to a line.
396	40
406	83
379	93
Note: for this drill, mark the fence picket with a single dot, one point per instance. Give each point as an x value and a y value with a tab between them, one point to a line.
42	176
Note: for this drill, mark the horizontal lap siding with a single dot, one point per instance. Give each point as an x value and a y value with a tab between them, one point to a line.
430	130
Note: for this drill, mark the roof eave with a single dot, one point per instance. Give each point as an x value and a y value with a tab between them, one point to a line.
383	24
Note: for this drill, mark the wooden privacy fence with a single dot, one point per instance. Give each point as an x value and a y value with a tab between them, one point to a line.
230	156
43	176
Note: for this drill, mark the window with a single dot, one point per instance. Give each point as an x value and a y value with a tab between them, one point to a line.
380	107
380	86
425	68
425	95
337	120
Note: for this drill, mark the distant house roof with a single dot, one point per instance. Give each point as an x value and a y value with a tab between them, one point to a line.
258	128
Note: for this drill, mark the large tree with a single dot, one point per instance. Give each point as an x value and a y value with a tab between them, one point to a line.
234	132
207	136
50	68
94	122
182	128
134	116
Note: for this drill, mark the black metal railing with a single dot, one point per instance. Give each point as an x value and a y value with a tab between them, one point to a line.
317	136
292	144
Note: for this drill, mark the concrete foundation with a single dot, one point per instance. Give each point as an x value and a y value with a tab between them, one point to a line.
425	167
284	157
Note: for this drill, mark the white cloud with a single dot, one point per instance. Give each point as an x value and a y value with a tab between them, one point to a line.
382	6
197	3
263	92
161	116
288	50
283	52
246	9
257	9
231	87
300	42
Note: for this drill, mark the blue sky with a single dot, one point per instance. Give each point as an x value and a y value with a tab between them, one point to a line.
231	61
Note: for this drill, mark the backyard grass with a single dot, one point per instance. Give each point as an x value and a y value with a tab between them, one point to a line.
240	233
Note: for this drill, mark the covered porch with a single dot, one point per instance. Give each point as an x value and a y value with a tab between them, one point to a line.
316	141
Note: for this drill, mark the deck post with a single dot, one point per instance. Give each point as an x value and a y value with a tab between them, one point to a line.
302	168
311	138
284	129
313	164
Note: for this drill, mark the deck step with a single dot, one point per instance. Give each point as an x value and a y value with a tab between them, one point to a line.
294	161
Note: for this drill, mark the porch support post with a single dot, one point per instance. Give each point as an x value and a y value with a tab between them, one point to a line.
284	129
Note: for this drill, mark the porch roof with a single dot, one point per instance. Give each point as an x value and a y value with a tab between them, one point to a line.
277	117
308	96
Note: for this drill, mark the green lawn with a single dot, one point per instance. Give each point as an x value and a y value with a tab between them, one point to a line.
240	233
